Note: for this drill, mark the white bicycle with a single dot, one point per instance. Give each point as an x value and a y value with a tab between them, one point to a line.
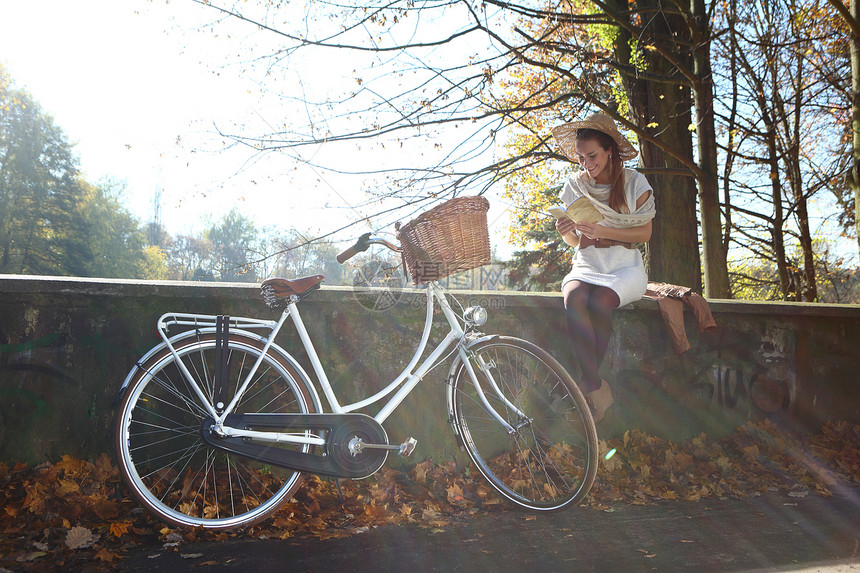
217	424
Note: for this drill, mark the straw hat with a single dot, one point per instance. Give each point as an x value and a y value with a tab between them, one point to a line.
565	135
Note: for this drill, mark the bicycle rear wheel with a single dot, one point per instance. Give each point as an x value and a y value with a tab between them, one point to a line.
550	460
162	457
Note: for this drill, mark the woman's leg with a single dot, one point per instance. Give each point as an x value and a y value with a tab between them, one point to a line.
600	305
587	310
578	317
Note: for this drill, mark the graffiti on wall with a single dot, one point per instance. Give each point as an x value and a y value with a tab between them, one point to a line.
730	370
730	387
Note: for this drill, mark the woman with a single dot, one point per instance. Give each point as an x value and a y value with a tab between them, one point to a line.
608	271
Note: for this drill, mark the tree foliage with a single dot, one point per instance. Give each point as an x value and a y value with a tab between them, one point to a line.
52	221
740	110
483	84
784	61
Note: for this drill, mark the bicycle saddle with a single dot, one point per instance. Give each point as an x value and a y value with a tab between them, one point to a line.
282	288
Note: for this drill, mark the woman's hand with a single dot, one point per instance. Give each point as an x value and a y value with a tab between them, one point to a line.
590	230
564	226
567	229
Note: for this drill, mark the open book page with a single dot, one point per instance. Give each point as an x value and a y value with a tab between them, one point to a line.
580	211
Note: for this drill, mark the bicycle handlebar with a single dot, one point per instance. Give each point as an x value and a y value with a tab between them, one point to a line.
362	245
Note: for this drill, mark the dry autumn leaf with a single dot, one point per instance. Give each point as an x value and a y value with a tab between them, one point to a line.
119	528
70	465
106	556
455	494
80	538
43	501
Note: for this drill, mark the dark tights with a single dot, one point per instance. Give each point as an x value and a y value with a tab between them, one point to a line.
588	309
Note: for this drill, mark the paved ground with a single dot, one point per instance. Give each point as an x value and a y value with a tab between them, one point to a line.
773	532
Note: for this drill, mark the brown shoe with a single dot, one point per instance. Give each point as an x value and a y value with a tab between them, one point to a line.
600	400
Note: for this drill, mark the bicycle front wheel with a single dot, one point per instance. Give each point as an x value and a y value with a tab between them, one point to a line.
164	460
549	460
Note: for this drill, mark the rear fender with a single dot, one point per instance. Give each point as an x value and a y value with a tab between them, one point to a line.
273	349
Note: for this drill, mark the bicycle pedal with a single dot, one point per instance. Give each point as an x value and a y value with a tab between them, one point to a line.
407	447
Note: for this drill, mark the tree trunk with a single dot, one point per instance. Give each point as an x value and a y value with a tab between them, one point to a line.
810	291
787	285
852	18
730	132
715	266
776	231
672	253
855	116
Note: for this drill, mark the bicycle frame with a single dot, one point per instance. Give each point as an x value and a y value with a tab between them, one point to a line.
401	386
218	424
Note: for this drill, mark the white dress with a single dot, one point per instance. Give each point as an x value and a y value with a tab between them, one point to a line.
616	267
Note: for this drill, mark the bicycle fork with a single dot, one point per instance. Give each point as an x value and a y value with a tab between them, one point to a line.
467	356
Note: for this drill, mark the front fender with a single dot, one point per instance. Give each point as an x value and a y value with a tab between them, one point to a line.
452	373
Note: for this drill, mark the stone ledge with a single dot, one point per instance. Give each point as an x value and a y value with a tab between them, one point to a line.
66	344
189	289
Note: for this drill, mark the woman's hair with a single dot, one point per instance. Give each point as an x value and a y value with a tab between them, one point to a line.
616	191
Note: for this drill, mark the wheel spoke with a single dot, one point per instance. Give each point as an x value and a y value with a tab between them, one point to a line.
169	467
537	466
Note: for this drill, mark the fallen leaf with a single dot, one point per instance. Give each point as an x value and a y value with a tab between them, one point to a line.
80	538
119	528
67	487
759	457
70	465
105	555
455	493
31	556
751	452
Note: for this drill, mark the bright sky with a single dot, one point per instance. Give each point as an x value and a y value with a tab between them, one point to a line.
142	86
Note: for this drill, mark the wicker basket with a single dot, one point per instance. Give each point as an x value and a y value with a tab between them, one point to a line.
447	239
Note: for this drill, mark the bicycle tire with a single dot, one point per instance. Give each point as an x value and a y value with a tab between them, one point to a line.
165	462
550	461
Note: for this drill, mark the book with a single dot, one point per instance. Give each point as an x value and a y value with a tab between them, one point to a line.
580	211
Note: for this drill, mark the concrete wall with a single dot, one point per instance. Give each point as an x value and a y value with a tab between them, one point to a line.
67	344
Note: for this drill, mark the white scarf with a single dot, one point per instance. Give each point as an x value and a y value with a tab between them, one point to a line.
599	197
